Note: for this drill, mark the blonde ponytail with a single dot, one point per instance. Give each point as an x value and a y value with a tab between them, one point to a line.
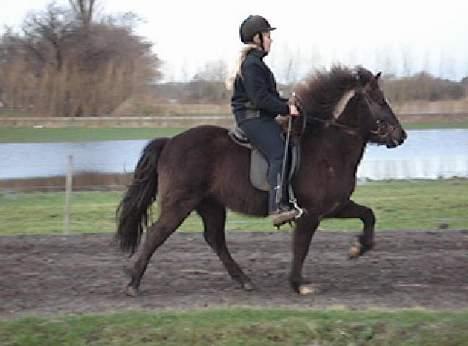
237	72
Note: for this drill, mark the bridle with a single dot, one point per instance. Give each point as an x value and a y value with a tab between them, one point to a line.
326	122
380	131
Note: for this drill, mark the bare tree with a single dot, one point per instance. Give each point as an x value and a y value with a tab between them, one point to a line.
84	10
45	35
214	71
207	85
407	61
384	61
422	86
66	63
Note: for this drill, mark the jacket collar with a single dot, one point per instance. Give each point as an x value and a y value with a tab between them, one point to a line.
258	53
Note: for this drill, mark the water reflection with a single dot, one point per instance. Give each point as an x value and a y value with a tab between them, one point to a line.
426	154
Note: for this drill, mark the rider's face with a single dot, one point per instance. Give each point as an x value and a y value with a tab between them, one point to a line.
267	41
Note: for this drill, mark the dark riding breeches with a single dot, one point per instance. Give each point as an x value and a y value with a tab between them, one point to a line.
266	135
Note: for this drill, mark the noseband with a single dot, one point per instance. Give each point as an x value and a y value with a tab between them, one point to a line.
382	127
381	130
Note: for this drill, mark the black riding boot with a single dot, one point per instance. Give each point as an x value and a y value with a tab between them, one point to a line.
280	212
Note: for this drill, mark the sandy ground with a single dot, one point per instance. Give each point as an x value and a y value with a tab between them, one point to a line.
83	273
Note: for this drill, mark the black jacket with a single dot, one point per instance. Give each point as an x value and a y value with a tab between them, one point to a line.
255	92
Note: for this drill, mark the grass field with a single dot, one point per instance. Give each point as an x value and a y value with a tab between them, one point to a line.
409	205
23	135
32	135
238	326
437	125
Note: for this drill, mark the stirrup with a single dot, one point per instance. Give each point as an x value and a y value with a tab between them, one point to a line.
283	216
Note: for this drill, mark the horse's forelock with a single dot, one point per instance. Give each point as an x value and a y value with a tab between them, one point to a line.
364	75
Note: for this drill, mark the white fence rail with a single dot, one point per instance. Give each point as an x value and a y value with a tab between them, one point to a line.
417	168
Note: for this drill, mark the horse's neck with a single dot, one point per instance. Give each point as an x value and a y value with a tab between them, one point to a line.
349	117
345	142
335	143
351	136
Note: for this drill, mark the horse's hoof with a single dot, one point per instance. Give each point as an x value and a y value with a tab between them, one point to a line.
304	290
355	250
131	291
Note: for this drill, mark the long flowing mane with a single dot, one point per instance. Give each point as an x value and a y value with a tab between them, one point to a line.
321	91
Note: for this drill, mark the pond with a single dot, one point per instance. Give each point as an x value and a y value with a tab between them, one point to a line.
427	154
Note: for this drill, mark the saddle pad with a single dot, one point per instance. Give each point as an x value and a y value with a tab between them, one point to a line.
259	171
259	168
258	163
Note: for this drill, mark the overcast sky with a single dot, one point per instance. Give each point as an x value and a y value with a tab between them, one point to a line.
396	36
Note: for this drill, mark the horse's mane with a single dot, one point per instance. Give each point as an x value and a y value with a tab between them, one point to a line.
320	92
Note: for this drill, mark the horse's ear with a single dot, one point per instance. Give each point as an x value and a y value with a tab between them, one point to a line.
378	75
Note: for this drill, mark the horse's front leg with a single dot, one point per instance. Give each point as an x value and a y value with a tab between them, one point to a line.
303	233
366	215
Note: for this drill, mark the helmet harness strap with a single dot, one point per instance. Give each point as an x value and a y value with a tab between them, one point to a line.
261	40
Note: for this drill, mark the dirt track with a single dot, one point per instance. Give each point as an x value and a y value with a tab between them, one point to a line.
83	273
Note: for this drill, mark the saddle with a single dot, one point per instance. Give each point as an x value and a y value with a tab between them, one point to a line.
259	164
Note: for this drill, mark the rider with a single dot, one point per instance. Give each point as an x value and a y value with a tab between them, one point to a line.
255	103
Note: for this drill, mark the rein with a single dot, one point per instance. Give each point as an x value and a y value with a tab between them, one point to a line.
327	123
353	131
380	131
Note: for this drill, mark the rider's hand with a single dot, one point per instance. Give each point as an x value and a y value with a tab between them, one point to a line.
293	110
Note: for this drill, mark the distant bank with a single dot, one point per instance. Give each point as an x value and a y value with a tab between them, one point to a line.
413	120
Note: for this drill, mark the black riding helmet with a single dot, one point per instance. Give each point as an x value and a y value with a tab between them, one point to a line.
253	25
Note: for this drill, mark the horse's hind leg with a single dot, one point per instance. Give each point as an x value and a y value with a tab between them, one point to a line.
171	216
213	215
366	215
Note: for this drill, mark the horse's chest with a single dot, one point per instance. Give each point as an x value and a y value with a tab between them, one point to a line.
336	170
339	178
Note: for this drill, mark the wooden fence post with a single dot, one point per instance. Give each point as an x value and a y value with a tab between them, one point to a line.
68	191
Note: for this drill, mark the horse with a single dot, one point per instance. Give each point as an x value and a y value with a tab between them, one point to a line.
202	169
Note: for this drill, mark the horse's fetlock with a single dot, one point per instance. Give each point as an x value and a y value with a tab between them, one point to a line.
295	283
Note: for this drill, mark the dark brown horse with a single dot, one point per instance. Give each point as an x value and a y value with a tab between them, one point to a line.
202	169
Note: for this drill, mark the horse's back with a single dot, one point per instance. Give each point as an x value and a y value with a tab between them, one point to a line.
201	133
206	161
198	142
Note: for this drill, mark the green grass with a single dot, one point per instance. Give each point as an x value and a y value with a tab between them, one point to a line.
412	205
237	326
437	125
397	204
32	135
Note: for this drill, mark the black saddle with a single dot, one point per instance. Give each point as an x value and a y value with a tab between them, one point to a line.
259	164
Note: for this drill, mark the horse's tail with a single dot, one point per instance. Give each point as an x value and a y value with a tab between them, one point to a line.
133	212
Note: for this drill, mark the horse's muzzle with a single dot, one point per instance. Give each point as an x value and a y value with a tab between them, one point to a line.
396	137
